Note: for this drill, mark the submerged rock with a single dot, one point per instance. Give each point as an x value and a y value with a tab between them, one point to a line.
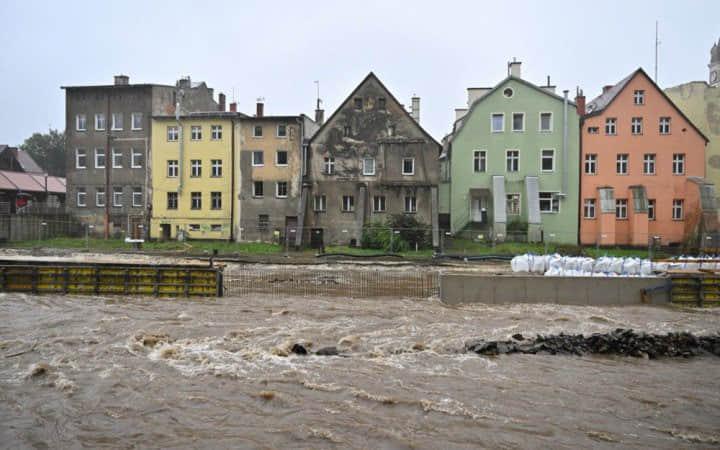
298	349
328	351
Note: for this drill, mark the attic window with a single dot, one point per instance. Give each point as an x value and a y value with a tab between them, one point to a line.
508	92
391	130
358	103
381	103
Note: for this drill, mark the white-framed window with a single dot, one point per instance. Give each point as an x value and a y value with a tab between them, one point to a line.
410	204
216	200
611	126
136	159
172	200
497	122
216	132
621	164
320	203
591	163
196	132
258	158
639	97
100	196
117	196
282	130
479	161
116	159
379	203
408	166
216	168
116	121
589	208
81	122
546	122
172	133
621	209
100	122
257	131
137	197
281	189
258	189
512	204
81	197
664	125
512	160
329	165
678	164
649	164
547	160
136	119
172	168
368	166
99	158
80	158
636	125
549	202
677	209
518	122
195	168
196	200
193	227
651	209
281	158
348	203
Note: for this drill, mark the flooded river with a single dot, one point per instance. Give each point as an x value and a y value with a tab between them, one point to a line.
81	372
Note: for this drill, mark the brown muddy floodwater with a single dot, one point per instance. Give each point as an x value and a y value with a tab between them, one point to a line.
138	373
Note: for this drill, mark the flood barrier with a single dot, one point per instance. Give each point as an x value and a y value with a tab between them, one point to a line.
695	289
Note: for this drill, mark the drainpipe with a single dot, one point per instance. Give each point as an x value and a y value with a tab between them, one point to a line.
564	144
181	141
232	180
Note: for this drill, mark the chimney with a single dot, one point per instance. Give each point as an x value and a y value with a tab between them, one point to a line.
415	109
319	116
221	102
580	102
122	80
607	88
184	83
233	107
549	87
514	68
260	107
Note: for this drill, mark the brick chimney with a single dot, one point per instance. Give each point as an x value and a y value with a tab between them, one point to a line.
260	107
607	87
233	107
221	102
319	116
415	108
122	80
580	102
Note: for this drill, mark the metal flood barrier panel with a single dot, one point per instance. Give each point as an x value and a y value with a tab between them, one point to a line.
697	289
111	279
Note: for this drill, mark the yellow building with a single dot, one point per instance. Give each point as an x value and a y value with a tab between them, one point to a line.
192	164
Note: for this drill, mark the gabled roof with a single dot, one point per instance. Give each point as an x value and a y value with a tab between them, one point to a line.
21	181
23	159
601	102
369	76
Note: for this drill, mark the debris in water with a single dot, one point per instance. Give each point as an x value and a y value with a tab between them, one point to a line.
518	337
151	340
419	347
170	352
39	370
601	436
266	395
327	351
298	349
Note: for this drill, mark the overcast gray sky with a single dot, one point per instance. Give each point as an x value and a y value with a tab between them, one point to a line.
276	49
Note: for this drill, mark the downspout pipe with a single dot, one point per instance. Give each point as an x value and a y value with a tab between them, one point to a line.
181	141
232	180
564	144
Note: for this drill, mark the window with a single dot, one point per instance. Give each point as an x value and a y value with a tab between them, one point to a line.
137	197
391	130
194	227
258	158
611	126
677	209
216	168
518	122
281	189
258	189
195	132
172	133
263	222
281	130
621	164
81	122
549	202
379	203
80	158
479	161
358	103
99	158
196	200
216	200
116	159
497	123
593	130
664	125
195	168
348	203
512	160
381	103
136	159
508	92
649	164
512	204
100	122
410	204
172	168
639	97
591	164
117	121
117	196
81	197
621	208
651	209
408	166
329	165
319	203
257	131
347	131
589	208
281	158
216	227
100	196
546	122
172	200
136	121
368	166
678	164
636	125
216	132
547	160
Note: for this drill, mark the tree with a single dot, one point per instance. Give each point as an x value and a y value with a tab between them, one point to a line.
48	150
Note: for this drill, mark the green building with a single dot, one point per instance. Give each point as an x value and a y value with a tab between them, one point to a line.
510	167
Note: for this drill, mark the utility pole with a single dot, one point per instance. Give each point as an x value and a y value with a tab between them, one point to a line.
108	197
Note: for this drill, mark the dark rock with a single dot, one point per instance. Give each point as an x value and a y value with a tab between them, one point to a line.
518	337
327	351
298	349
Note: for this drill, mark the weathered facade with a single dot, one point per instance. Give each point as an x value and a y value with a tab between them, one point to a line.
370	160
108	135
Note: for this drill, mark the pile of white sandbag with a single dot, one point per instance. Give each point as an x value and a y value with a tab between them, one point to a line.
581	266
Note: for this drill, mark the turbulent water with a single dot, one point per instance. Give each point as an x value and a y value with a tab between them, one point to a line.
81	372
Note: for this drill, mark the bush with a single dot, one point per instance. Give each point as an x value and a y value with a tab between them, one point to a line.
408	232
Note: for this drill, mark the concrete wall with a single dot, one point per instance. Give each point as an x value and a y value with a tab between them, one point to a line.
587	291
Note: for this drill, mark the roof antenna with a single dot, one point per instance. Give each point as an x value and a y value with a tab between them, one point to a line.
317	84
657	44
